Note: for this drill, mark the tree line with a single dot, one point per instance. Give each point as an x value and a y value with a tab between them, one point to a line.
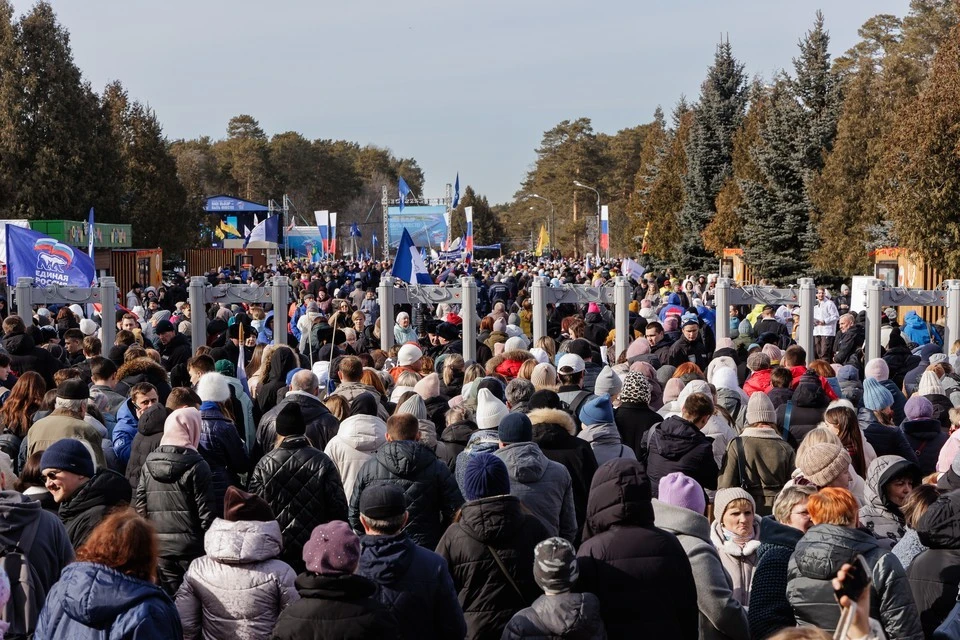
807	172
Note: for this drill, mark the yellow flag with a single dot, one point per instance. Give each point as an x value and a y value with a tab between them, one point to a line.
646	234
218	233
226	227
542	241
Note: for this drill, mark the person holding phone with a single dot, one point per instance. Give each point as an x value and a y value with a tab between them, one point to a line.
833	541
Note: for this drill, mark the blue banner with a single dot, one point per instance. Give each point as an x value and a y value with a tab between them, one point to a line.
31	254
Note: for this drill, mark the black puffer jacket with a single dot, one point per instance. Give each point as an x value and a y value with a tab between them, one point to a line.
640	573
175	352
432	494
335	607
553	431
677	445
149	432
926	438
935	574
321	425
175	493
633	421
820	554
25	356
900	361
455	437
303	487
281	362
808	403
486	596
84	510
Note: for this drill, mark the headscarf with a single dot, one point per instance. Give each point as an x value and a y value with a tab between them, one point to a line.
182	429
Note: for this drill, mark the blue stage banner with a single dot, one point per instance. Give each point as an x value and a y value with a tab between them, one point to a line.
229	204
31	254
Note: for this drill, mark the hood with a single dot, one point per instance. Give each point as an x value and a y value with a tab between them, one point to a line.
926	429
675	438
243	542
914	321
96	595
619	495
553	416
168	463
151	423
386	559
281	362
146	367
405	458
525	461
458	432
16	512
18	344
773	532
603	433
879	473
490	520
428	434
826	547
483	440
569	615
679	520
809	391
105	488
363	433
939	526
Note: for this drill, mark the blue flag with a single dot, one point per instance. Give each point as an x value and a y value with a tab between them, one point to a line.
31	254
355	231
90	234
456	191
266	231
404	191
409	265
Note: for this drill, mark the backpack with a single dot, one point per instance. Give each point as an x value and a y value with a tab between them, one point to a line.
10	444
26	590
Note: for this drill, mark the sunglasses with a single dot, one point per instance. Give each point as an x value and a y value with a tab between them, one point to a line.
52	475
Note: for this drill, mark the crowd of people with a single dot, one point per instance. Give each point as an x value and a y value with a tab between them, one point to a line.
290	479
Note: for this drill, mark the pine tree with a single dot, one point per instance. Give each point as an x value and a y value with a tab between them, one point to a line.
10	106
817	88
922	194
716	117
655	145
487	228
663	197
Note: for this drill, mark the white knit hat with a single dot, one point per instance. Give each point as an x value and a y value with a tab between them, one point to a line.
213	387
490	410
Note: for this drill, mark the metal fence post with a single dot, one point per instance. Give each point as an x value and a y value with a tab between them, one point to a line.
279	298
808	300
108	314
722	298
468	311
387	312
953	315
538	293
873	319
25	300
622	294
198	312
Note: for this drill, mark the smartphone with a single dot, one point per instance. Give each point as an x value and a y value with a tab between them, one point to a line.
856	581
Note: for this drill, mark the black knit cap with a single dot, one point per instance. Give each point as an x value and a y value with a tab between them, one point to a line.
73	389
382	501
290	420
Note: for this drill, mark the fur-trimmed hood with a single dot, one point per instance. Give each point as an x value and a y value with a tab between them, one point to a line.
553	416
509	360
142	366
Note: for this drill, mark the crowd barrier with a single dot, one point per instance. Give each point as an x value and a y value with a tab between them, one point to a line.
26	295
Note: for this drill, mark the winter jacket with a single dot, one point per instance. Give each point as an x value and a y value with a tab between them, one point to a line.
350	391
302	486
605	441
759	381
880	516
53	427
908	548
640	573
95	602
900	361
321	425
808	404
480	441
564	615
414	584
633	421
544	487
357	440
51	551
935	573
926	438
916	330
222	448
819	555
84	510
238	589
941	409
143	370
175	494
124	433
432	494
767	465
335	607
912	379
454	439
683	351
721	615
175	352
770	609
145	442
738	561
498	525
847	344
677	445
886	441
852	390
281	362
25	356
554	431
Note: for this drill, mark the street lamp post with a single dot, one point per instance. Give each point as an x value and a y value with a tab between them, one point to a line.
579	184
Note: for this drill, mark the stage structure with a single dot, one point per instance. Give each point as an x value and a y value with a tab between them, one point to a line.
427	220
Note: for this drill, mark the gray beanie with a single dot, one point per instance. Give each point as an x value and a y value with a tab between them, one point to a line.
608	382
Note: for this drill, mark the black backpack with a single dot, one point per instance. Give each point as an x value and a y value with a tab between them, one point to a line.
26	589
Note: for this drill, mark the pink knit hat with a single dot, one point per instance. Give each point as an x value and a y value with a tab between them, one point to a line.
429	386
672	391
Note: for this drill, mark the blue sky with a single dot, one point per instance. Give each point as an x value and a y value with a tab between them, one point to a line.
460	86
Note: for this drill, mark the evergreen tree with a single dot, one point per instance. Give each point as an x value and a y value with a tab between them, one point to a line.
655	145
487	228
10	106
817	88
243	159
717	116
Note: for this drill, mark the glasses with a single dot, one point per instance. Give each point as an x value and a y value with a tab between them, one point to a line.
51	475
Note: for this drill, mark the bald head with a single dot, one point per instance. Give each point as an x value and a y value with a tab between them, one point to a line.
305	381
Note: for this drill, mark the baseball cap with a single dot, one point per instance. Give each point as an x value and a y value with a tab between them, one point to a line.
571	363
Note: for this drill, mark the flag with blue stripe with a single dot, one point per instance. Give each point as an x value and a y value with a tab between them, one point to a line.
409	265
